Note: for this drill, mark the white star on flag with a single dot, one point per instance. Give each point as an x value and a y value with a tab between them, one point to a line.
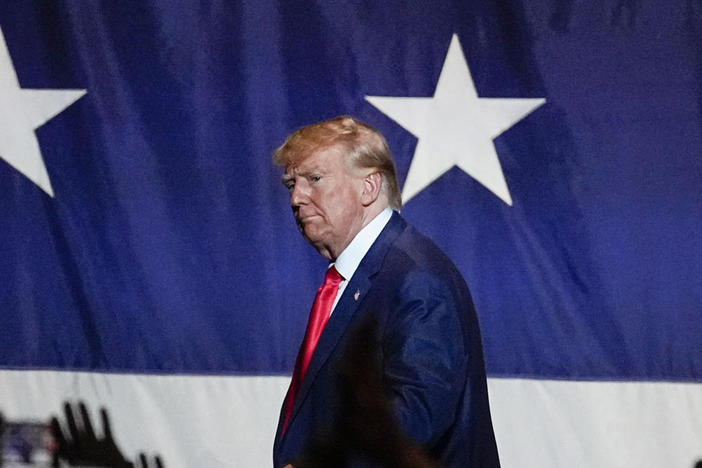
455	128
21	112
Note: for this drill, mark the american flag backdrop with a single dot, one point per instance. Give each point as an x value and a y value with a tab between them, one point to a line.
149	262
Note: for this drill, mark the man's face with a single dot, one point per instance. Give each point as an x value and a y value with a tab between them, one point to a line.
325	196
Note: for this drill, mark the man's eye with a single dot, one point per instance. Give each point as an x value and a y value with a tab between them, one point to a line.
315	178
290	185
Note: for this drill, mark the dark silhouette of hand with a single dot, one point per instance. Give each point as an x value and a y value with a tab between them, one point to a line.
82	447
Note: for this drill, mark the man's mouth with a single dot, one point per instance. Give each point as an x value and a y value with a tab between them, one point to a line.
306	218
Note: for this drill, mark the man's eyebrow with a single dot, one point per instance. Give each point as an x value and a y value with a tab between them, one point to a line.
288	177
304	172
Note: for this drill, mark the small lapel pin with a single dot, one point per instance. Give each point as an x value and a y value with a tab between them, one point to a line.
357	294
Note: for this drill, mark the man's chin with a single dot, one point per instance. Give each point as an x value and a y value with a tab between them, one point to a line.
311	237
318	243
310	231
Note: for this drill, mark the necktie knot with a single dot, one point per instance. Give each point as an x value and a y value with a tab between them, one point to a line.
332	277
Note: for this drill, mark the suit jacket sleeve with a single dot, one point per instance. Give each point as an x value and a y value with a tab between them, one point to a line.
424	356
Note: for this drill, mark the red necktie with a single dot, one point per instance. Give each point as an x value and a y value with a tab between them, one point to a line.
321	309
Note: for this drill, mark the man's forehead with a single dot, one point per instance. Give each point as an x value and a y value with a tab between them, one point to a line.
316	160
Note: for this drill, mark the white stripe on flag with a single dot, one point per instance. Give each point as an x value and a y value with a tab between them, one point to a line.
545	423
230	421
191	421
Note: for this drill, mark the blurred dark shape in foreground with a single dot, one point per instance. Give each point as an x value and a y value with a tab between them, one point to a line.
82	447
366	432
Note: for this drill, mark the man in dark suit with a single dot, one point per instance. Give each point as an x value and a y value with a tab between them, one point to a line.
346	201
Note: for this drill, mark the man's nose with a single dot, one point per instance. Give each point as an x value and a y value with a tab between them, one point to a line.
297	196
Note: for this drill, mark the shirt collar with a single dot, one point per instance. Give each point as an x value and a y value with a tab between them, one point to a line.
347	262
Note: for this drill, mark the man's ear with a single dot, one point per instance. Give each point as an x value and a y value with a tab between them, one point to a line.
372	185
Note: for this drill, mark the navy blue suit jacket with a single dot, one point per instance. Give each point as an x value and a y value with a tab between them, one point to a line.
432	359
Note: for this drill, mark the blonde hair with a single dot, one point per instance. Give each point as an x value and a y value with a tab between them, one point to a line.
365	148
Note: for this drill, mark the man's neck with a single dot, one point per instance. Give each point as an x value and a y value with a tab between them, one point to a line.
369	214
348	260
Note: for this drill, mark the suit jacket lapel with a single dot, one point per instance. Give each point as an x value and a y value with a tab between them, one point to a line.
347	306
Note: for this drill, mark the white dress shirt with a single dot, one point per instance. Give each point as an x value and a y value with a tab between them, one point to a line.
347	262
